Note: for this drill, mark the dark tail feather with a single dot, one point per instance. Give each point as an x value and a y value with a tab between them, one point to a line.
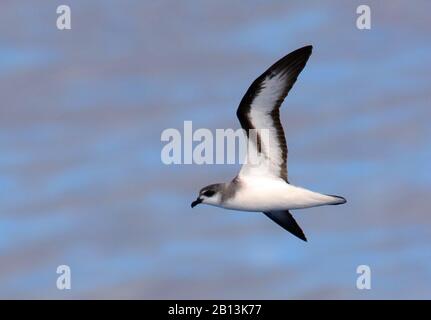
285	220
341	200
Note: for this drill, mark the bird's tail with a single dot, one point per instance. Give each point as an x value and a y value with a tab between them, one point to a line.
337	200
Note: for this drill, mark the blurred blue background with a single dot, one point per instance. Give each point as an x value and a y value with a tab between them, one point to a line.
82	183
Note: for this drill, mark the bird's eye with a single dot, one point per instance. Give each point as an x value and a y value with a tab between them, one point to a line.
208	193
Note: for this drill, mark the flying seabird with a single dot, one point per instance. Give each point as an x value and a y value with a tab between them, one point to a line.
262	184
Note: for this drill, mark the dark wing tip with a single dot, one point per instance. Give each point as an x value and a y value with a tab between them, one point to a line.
297	231
285	220
306	50
296	60
302	237
291	64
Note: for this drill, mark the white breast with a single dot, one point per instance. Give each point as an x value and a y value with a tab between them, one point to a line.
262	194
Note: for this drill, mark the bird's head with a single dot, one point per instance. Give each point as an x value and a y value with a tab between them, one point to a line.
209	195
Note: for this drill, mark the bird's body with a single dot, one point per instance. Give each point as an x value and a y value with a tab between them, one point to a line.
266	194
262	183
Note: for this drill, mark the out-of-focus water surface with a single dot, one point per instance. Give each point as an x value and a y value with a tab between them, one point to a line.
82	184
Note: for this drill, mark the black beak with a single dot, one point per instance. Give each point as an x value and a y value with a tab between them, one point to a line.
196	202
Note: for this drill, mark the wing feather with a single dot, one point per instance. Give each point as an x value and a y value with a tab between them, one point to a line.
259	109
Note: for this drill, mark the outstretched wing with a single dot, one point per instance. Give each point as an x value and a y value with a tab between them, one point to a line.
259	109
285	220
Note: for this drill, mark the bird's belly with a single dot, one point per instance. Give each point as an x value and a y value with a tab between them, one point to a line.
274	196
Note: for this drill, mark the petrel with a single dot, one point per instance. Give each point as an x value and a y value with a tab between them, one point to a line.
262	184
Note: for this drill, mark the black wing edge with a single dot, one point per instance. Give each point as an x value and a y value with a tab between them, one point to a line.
294	62
285	220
